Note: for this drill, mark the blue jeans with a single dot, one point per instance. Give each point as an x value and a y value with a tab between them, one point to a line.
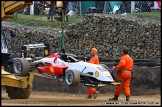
71	5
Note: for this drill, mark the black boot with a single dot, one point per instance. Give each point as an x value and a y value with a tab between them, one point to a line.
114	98
127	98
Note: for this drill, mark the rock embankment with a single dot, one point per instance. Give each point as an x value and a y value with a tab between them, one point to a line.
110	33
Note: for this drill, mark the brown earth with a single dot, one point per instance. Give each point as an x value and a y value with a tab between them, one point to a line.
45	98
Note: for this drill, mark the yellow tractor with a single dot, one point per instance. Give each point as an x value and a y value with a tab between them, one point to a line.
17	86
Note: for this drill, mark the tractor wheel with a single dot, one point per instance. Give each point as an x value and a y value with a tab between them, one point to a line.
18	93
72	77
21	66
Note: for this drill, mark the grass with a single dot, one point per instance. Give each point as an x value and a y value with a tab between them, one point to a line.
41	21
154	15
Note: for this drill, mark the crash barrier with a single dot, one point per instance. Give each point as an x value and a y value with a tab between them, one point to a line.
145	80
42	8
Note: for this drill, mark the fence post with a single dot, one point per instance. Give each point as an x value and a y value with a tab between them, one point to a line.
80	6
32	9
132	6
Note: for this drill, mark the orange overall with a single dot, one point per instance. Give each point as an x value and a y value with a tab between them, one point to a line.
93	60
124	74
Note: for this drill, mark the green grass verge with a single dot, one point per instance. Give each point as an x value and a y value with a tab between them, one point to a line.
41	21
153	15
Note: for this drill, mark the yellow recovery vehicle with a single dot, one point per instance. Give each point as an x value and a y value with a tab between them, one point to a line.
17	80
17	86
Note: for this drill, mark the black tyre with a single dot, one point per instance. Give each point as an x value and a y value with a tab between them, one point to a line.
72	77
21	66
18	93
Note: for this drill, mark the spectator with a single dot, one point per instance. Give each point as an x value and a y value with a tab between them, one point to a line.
143	6
71	8
50	16
99	6
125	7
38	8
42	6
55	9
65	18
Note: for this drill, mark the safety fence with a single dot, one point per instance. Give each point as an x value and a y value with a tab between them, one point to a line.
79	8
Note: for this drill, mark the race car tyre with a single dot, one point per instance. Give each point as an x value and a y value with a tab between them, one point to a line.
21	66
72	77
18	93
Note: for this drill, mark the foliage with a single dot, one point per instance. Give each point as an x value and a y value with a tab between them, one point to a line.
155	15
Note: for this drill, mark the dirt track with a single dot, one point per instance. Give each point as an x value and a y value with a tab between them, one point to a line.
42	98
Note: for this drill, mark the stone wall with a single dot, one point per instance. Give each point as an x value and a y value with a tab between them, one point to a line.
110	33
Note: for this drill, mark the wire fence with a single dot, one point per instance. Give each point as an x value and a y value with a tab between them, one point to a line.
79	8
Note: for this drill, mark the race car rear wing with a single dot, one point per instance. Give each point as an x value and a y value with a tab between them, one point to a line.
26	48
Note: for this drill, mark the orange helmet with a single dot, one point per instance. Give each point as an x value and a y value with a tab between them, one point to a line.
94	49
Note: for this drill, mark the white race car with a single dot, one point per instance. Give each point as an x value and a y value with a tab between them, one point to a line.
67	67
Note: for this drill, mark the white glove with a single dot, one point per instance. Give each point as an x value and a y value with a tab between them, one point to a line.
113	67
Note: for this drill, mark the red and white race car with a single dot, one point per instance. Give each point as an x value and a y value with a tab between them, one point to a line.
66	67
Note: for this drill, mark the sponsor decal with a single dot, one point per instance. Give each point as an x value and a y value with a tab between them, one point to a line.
92	85
51	69
46	52
96	74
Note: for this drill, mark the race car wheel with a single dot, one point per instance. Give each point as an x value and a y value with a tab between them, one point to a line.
21	66
18	93
72	77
